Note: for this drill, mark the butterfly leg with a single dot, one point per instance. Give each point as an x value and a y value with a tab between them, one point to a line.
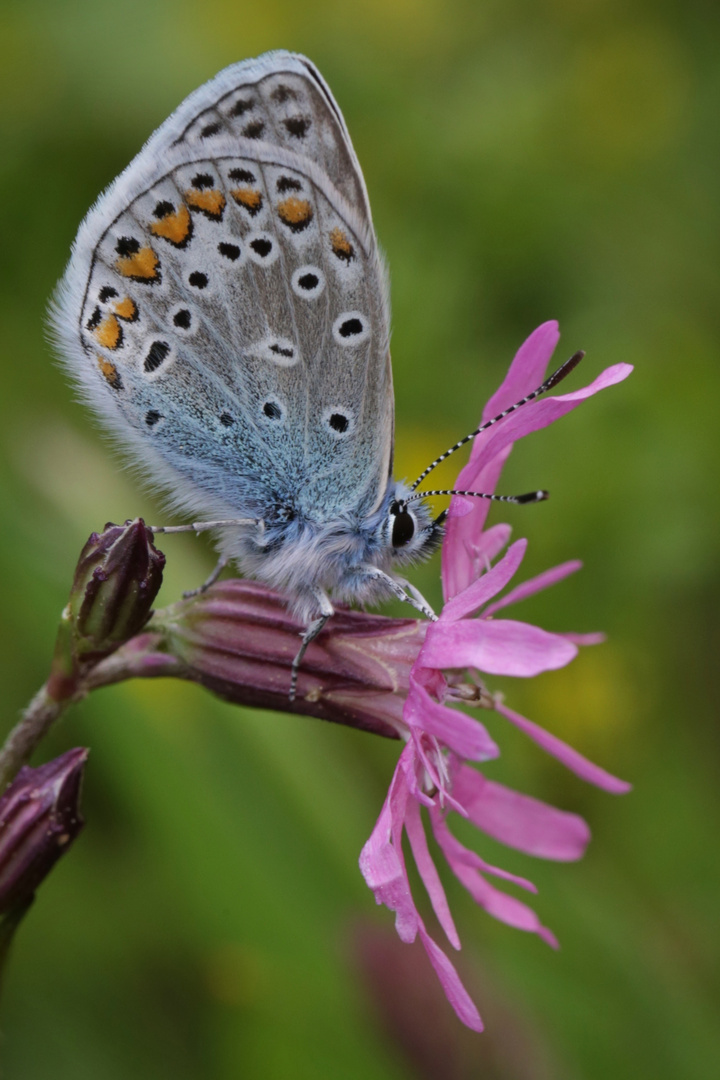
198	527
412	596
219	567
422	604
312	631
201	526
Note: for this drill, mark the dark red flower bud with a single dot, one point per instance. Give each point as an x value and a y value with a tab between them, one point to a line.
39	819
117	578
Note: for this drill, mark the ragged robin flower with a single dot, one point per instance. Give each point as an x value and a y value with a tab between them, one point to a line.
403	677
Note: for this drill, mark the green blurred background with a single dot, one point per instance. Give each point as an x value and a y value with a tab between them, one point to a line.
526	160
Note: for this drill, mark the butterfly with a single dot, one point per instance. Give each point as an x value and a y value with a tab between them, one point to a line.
225	313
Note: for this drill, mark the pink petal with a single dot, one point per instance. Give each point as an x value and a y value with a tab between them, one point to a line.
507	909
463	535
495	646
540	414
482	472
527	369
564	753
536	584
462	505
382	865
428	872
476	595
526	372
448	842
455	992
491	542
466	736
518	820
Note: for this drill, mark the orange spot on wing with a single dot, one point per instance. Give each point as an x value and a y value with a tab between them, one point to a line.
126	309
143	265
211	201
109	333
175	228
294	212
248	197
341	246
110	373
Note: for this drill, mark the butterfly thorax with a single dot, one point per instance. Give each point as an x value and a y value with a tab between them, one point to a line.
293	552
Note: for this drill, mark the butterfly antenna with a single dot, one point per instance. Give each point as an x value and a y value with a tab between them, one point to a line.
552	381
530	497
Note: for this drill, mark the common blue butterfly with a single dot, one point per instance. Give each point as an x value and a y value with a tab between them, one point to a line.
225	313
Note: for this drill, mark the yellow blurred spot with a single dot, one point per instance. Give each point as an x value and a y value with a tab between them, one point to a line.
236	975
416	448
589	703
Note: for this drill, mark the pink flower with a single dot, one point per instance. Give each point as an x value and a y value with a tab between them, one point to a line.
431	771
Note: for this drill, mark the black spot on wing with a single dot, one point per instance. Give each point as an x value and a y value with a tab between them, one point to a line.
254	129
288	183
230	251
241	106
156	355
338	422
297	126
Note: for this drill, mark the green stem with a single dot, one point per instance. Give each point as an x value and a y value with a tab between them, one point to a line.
38	718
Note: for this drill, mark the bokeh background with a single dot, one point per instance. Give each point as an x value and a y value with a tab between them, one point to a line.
526	160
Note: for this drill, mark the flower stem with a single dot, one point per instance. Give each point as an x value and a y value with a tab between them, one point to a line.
38	718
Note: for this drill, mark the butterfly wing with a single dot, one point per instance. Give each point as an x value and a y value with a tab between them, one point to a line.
224	309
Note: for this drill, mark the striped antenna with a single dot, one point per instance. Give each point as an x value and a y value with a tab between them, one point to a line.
557	376
530	497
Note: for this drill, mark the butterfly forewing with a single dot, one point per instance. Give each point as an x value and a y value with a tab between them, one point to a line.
233	311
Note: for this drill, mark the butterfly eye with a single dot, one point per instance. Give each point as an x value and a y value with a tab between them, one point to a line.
403	528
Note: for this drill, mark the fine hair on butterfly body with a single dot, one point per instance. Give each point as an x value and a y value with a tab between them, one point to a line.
225	314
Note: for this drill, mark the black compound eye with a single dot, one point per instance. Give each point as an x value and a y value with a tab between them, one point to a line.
403	528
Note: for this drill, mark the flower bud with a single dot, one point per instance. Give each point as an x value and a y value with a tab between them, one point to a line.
239	640
39	819
117	578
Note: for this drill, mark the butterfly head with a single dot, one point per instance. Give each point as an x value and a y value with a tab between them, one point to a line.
411	532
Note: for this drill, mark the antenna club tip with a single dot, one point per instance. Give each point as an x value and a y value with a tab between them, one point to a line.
534	496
